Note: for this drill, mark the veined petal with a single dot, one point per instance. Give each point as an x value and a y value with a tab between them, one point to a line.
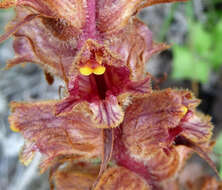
197	127
118	178
12	30
73	11
49	42
107	113
147	3
114	15
156	120
135	46
163	166
78	176
211	183
24	52
147	121
70	134
81	175
27	153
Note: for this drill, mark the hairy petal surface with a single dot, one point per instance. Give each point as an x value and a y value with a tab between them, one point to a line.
147	121
107	112
77	176
118	178
49	42
81	175
114	15
135	46
151	131
70	134
162	165
197	127
156	120
211	183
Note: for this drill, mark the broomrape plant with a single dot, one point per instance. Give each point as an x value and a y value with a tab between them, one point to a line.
111	130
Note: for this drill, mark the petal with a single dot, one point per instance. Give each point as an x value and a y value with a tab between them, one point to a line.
135	46
27	153
24	52
12	30
147	121
70	134
188	99
39	6
107	113
197	127
118	178
50	40
201	149
211	183
114	15
146	3
163	166
72	11
79	176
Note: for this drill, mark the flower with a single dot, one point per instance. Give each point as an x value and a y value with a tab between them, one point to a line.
69	135
158	133
85	43
99	49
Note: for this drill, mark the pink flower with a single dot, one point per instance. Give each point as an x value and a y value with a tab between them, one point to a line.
97	47
158	133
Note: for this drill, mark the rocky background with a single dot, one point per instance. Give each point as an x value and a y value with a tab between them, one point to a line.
28	83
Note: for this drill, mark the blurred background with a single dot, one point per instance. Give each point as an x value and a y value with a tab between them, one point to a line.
194	62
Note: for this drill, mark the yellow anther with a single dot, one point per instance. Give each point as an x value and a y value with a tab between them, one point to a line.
14	128
99	70
86	70
184	109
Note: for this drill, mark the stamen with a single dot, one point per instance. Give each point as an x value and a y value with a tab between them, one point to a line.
184	110
93	67
99	70
14	128
86	70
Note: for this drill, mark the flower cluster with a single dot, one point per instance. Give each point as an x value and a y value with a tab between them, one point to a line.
111	130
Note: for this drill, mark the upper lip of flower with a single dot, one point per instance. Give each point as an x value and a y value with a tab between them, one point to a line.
73	31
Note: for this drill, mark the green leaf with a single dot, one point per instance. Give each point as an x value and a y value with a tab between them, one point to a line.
218	146
216	50
200	39
218	150
188	66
